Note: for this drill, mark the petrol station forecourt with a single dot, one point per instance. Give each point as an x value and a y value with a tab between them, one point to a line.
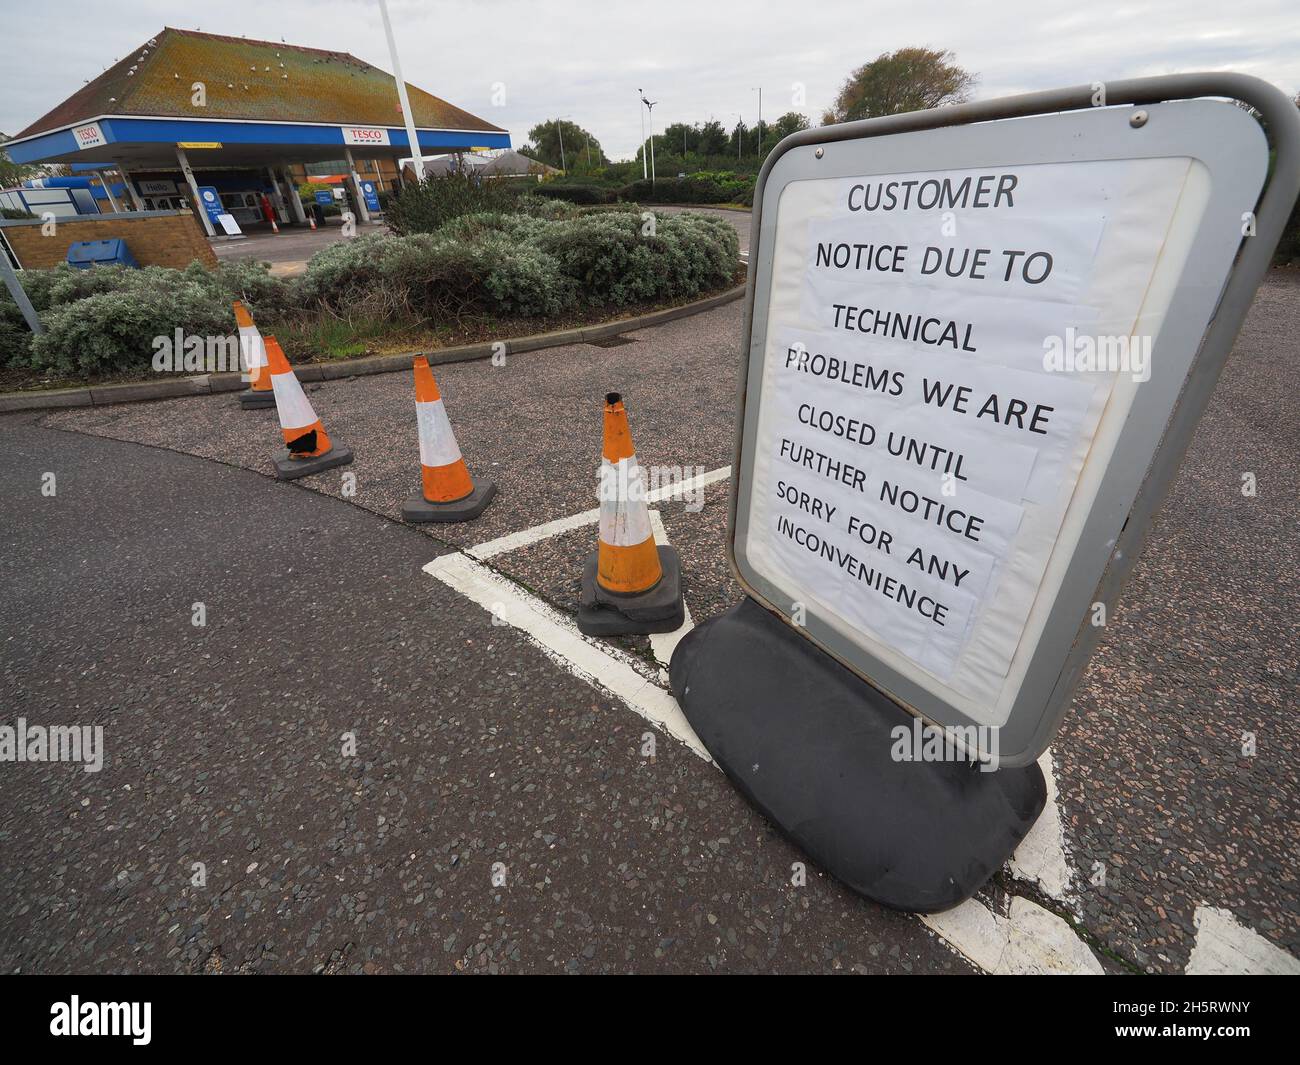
371	704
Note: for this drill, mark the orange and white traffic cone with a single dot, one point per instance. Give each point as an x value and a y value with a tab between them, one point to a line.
308	448
252	350
629	584
311	220
447	492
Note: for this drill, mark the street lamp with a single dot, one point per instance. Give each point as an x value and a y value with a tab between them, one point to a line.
760	120
640	95
740	119
417	160
650	106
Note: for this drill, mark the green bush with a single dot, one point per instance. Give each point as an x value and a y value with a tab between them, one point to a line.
586	195
104	319
423	208
716	186
111	332
543	260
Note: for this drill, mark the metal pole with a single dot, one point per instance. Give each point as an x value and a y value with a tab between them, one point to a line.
640	99
417	161
651	108
130	186
19	294
560	130
184	161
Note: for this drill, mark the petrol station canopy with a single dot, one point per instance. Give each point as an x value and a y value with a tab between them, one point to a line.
263	104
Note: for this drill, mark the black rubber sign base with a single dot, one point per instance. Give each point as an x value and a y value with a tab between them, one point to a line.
809	743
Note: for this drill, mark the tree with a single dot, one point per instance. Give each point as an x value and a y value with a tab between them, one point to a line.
910	79
544	140
712	139
682	137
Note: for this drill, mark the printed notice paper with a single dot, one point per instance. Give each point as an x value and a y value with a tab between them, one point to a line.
916	449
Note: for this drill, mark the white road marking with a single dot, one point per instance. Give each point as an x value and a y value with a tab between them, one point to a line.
514	541
1224	945
1040	858
1027	940
664	643
560	639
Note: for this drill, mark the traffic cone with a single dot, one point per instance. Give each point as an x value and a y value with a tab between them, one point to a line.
275	228
308	448
629	585
311	220
251	346
447	491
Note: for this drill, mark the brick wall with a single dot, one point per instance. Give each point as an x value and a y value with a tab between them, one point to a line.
155	238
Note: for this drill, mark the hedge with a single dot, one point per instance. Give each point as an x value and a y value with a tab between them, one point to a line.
544	259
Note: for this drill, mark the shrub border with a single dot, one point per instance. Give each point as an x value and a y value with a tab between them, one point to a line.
215	384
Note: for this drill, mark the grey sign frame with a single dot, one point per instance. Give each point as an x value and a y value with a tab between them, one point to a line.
1204	316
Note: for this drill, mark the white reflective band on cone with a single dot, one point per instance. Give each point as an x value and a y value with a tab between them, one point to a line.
624	519
251	348
437	442
291	402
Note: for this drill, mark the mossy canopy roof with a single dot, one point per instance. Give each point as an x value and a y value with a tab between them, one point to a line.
251	80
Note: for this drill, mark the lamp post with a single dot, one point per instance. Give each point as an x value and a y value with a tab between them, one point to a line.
640	95
560	130
417	160
650	106
739	138
760	122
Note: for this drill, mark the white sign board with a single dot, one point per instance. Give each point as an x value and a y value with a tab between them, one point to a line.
88	136
154	187
365	136
944	356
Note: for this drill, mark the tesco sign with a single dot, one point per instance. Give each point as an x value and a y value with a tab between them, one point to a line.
365	135
89	136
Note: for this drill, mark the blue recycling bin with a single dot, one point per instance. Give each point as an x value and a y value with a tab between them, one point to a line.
111	252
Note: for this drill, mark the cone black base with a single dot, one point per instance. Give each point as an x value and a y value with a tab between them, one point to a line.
250	400
417	508
603	613
289	469
810	744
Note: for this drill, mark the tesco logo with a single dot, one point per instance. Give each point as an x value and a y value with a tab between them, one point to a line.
364	135
89	136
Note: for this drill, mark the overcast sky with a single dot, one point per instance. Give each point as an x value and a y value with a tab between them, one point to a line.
702	59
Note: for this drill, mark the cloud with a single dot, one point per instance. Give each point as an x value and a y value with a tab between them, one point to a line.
585	60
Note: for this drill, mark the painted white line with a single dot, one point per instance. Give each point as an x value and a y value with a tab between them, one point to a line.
1040	858
514	541
560	639
1028	941
1224	945
663	643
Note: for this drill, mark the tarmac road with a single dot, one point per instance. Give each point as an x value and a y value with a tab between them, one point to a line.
225	746
1162	812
